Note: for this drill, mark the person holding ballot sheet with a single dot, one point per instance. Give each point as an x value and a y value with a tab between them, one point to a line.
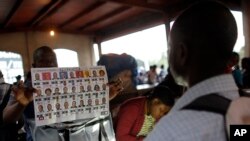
21	100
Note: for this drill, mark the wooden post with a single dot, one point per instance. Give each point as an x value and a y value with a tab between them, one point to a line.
99	49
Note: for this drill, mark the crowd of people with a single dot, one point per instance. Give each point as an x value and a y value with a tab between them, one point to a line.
200	58
152	76
240	72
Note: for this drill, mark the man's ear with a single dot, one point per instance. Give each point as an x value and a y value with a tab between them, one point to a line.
183	55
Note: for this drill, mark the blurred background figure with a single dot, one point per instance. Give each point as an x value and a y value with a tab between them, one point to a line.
234	68
152	75
245	63
162	73
141	78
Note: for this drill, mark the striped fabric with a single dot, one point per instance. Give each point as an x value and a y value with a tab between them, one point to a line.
147	125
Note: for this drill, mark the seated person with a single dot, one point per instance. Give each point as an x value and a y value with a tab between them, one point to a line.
137	116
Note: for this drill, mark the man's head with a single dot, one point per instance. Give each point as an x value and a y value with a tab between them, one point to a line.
72	75
101	73
96	101
66	105
201	42
40	108
65	90
48	91
44	57
94	73
57	91
82	88
73	89
39	92
49	107
89	101
97	88
55	76
89	88
81	103
73	103
103	100
58	107
37	76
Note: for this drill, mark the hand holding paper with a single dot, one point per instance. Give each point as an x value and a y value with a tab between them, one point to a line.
115	87
24	95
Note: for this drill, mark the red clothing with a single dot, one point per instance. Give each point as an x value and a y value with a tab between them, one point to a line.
130	119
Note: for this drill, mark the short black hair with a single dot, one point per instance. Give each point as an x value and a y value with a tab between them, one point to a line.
209	31
164	94
39	51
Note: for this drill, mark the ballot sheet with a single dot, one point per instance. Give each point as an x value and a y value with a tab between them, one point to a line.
67	94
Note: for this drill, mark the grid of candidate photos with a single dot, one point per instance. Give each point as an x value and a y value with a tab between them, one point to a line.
66	94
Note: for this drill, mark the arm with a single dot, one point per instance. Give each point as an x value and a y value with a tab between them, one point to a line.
126	119
19	99
12	112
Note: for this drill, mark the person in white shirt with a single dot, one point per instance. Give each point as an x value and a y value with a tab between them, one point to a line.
201	43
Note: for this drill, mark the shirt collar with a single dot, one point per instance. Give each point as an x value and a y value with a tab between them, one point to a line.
216	84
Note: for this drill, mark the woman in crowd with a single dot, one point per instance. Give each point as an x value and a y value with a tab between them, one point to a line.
137	116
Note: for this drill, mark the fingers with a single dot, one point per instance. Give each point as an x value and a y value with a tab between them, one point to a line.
17	88
114	83
118	82
23	94
115	87
14	89
21	87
